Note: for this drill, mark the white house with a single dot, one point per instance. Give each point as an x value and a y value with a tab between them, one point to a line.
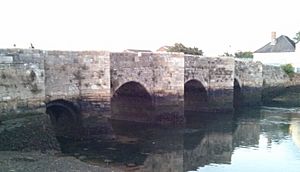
279	51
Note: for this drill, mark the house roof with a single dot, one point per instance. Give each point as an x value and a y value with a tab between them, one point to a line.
283	44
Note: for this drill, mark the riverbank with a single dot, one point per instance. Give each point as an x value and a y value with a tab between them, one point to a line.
31	132
13	161
28	144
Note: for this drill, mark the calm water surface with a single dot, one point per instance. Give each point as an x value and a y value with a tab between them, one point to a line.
265	139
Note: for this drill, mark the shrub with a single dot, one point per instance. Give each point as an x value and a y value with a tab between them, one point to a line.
288	69
179	47
246	54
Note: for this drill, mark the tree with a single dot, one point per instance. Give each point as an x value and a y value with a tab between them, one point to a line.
245	54
297	37
179	47
226	54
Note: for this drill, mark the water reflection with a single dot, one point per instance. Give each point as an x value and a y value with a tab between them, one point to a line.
208	142
207	139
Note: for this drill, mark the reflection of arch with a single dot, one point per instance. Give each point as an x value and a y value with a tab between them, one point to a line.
131	101
237	94
195	95
64	116
264	83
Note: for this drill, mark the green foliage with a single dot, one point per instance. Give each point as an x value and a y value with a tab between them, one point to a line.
245	54
179	47
297	37
288	69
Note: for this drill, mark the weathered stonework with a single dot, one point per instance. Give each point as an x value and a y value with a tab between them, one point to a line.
80	82
216	75
81	77
248	74
274	82
157	84
160	74
274	76
22	76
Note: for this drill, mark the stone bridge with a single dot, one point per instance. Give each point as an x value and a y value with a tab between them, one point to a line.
151	87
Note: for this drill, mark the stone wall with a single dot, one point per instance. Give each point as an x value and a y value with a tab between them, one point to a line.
22	78
83	79
221	83
295	79
160	74
249	76
274	76
274	82
89	79
79	77
216	75
198	68
169	87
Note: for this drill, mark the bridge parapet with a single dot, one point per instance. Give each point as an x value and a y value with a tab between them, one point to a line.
82	77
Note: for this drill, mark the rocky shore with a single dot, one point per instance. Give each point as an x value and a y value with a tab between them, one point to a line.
28	133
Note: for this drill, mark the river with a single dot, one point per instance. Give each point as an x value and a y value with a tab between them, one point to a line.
260	139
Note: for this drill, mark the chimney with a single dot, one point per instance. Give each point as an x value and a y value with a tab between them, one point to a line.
273	38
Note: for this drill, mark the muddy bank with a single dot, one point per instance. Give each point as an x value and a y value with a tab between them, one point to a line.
37	162
28	133
28	144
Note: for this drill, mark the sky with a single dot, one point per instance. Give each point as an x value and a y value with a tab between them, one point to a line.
215	26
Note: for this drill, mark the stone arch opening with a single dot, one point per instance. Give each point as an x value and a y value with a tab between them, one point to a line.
64	116
132	102
237	94
195	96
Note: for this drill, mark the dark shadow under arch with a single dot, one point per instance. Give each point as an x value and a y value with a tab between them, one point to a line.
132	102
65	117
237	94
195	96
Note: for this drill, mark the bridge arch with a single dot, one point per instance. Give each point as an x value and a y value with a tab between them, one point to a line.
65	117
195	96
237	94
133	102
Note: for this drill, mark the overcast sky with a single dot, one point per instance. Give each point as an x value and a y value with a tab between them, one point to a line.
215	26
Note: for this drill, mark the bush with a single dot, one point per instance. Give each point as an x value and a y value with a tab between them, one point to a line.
288	69
246	54
179	47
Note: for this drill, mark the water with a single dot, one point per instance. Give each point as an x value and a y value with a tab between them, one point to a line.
265	139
